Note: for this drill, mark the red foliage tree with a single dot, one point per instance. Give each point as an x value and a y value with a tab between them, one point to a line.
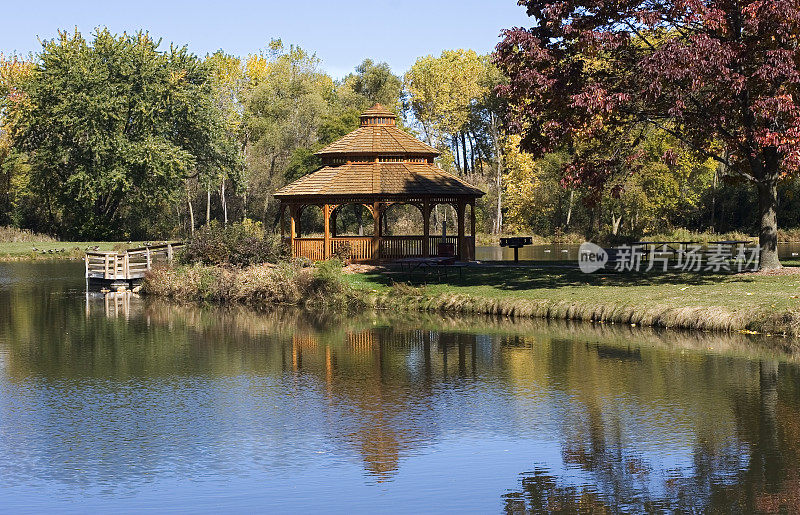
721	76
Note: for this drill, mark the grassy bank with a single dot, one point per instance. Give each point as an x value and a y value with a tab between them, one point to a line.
28	250
768	304
745	302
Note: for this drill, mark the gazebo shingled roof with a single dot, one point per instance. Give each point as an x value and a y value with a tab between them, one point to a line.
375	179
378	133
377	165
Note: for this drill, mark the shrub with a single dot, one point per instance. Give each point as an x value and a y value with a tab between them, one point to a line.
13	234
792	234
240	244
343	251
321	286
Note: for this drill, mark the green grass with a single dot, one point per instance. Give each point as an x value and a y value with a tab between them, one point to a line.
21	250
707	301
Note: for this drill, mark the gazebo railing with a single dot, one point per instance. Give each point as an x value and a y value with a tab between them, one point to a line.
394	247
311	248
359	248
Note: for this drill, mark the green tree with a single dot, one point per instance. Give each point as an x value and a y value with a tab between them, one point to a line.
228	81
370	84
116	127
287	98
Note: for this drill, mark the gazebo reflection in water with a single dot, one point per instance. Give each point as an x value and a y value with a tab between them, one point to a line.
373	168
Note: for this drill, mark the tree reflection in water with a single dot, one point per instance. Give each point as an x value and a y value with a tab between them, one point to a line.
124	390
762	476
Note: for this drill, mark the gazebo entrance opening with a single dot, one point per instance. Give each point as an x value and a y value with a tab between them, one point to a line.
384	236
373	182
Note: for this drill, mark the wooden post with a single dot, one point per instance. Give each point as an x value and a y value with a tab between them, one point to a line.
105	267
292	229
326	214
87	266
426	228
376	230
472	229
149	261
460	207
169	252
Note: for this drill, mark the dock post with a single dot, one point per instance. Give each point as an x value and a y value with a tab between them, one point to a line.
105	267
148	258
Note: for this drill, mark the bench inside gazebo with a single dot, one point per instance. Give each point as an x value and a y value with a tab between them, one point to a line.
378	166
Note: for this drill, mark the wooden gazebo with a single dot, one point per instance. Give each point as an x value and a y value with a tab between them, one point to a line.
378	165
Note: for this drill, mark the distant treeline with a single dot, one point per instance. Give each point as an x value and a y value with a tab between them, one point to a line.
122	137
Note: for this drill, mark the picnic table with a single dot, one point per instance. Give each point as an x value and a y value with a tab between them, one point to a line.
730	243
439	264
673	246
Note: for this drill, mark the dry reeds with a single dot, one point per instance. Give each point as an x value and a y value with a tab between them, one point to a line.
10	234
287	283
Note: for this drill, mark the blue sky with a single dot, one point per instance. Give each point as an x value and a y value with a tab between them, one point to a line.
341	32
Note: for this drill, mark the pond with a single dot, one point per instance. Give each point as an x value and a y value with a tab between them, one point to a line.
786	250
118	402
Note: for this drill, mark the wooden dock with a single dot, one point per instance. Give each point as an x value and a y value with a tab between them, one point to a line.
129	265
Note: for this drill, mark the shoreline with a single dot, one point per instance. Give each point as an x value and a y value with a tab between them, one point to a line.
691	318
707	306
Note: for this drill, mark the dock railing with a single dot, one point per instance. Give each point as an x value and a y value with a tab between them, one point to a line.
129	264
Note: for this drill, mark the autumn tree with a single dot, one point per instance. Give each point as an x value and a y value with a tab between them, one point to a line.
452	99
14	104
720	77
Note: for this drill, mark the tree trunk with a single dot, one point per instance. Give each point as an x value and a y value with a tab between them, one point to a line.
615	222
714	196
498	155
224	203
464	151
191	210
768	236
456	156
472	152
498	217
208	204
569	208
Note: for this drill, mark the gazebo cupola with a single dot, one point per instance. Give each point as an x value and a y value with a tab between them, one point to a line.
378	165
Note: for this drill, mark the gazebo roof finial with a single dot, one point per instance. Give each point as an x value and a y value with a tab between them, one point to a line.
378	115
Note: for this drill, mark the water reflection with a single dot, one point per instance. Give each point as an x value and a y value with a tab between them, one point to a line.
117	400
562	252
